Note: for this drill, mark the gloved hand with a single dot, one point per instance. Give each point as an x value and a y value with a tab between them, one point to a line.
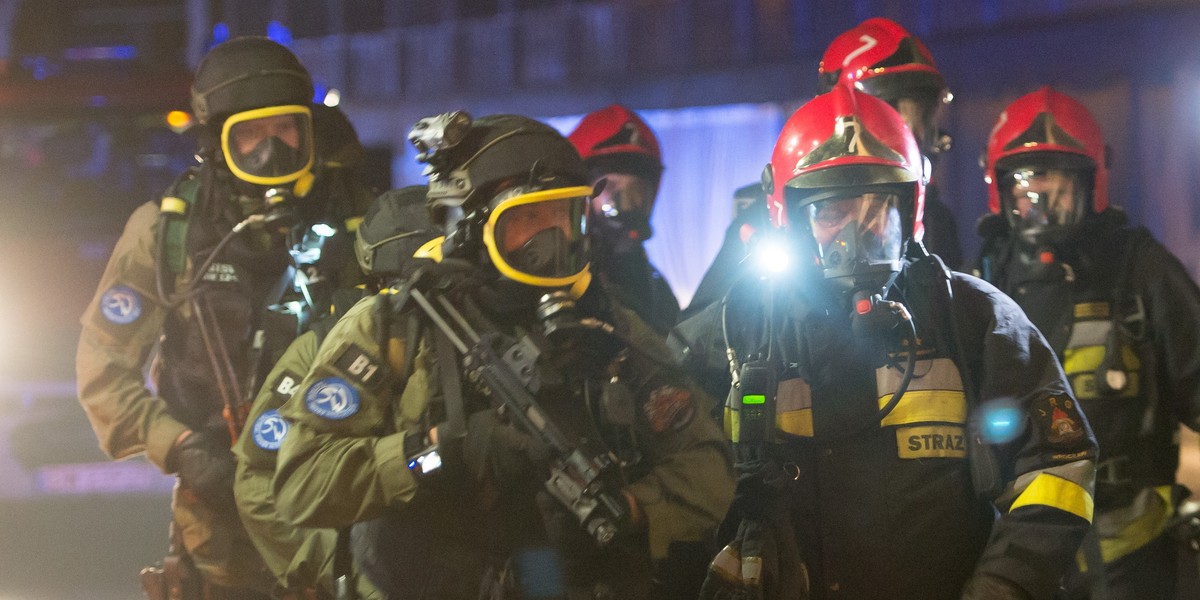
205	465
498	453
984	586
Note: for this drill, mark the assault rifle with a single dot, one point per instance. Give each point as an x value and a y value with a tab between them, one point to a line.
581	474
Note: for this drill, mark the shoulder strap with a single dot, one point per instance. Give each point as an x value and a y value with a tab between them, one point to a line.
176	208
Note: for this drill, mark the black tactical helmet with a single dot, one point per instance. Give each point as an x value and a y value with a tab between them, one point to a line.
247	73
469	159
394	228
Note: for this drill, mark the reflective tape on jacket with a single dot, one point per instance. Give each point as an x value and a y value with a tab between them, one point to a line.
793	412
934	395
1123	531
1086	352
1056	492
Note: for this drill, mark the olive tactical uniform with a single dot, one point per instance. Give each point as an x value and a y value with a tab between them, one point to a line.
203	278
120	329
395	227
346	463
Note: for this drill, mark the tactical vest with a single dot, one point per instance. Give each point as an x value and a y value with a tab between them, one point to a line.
208	356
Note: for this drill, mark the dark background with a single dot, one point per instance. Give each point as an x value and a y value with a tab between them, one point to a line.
85	87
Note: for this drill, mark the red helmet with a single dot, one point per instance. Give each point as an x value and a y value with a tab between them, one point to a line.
1047	128
883	59
616	131
844	139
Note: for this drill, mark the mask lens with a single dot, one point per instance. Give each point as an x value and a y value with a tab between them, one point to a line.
864	229
544	238
269	149
624	194
1038	200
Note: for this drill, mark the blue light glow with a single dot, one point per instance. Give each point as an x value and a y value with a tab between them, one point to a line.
220	33
279	32
1001	423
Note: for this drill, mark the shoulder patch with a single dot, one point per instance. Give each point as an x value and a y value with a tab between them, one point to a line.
332	398
285	385
1060	419
269	430
359	366
121	305
669	407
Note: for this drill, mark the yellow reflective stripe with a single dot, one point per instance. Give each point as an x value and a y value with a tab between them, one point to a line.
730	423
174	205
1088	358
1092	310
795	422
923	406
1056	492
352	224
1140	531
1083	358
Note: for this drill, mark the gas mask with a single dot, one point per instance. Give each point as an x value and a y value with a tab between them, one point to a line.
269	146
1044	205
858	237
539	238
625	202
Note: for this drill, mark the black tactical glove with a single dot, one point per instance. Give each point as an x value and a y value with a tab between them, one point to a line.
498	453
205	465
991	587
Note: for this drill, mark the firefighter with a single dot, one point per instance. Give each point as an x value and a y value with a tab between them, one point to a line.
883	59
622	151
902	431
204	275
495	426
1121	313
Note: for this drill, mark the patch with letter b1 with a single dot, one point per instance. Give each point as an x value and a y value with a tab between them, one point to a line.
359	366
931	441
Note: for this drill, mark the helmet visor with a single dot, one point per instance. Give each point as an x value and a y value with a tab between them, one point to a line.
540	238
1044	200
854	232
269	146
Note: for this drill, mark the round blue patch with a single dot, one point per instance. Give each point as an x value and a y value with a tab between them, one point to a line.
332	398
121	305
269	430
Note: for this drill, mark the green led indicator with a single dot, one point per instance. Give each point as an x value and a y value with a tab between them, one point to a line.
754	399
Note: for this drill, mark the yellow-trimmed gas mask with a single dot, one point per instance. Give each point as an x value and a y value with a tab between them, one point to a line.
269	146
540	238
